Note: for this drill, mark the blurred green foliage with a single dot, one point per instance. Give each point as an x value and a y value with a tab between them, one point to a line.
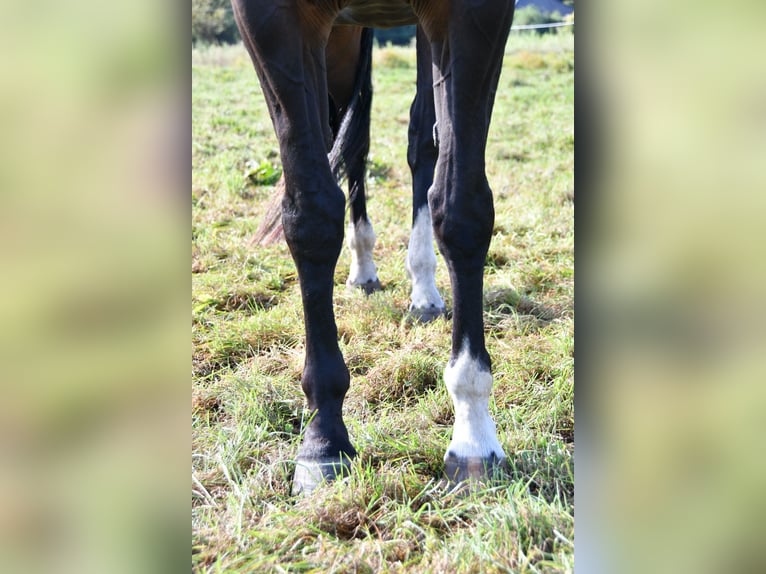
263	173
213	22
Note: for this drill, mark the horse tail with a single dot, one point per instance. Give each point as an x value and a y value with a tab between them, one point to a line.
352	140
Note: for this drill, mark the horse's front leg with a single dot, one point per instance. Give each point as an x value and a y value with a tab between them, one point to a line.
293	78
468	56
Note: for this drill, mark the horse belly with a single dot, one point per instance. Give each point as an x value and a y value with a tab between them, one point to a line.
377	14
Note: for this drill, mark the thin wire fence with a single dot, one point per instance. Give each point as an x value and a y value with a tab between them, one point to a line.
538	26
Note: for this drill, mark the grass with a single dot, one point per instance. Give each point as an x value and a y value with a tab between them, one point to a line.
393	513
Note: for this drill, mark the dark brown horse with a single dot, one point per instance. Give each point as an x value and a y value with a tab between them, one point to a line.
313	59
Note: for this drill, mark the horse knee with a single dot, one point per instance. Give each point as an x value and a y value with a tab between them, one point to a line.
313	221
463	217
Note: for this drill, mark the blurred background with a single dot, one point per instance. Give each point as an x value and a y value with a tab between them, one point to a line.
671	272
94	284
94	219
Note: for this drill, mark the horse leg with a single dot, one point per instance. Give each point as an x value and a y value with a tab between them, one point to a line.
468	56
349	73
293	78
426	303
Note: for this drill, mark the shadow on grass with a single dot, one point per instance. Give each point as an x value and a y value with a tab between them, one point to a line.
507	301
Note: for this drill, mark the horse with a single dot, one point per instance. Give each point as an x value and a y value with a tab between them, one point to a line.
313	61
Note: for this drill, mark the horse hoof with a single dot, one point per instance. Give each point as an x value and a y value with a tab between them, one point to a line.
483	469
370	287
426	314
309	474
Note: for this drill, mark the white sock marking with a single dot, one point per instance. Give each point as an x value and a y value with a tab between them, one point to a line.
470	385
421	263
361	240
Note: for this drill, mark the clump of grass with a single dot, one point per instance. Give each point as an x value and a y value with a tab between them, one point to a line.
402	377
230	344
394	58
528	60
206	404
244	300
508	300
437	408
560	62
547	470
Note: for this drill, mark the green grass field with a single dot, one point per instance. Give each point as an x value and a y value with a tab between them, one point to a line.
393	513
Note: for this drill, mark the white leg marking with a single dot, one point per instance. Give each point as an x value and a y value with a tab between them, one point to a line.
361	240
469	384
421	263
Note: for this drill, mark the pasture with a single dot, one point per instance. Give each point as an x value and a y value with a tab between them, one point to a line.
394	513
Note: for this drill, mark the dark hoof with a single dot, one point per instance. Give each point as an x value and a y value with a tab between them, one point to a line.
426	314
372	286
311	473
460	469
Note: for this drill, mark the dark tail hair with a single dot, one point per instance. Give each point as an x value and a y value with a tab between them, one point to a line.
352	140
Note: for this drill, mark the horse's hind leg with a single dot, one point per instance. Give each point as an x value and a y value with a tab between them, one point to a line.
468	56
293	79
426	303
349	71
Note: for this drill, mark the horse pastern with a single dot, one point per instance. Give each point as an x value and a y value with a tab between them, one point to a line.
310	474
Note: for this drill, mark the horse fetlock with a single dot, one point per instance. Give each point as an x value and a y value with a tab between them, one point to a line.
363	273
426	303
326	437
